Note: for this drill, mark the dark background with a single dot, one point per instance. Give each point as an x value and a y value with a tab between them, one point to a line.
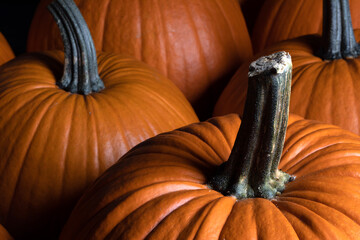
15	20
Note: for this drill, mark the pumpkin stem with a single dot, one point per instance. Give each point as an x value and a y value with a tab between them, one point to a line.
338	35
251	170
80	65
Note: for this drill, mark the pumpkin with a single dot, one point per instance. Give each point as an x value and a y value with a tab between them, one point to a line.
196	44
6	52
4	235
286	19
201	181
325	76
59	132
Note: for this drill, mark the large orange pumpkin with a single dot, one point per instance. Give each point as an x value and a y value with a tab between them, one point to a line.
285	19
323	88
6	52
164	187
196	44
59	133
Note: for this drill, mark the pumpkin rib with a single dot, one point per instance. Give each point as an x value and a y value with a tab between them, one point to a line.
314	86
307	133
203	139
229	140
106	100
319	205
165	204
226	17
257	218
26	153
181	215
190	231
328	213
108	4
199	221
294	19
304	69
304	220
325	159
113	204
294	148
191	156
23	106
349	213
187	138
201	54
90	103
26	122
215	218
353	78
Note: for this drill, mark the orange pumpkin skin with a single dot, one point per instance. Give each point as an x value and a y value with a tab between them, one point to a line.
285	19
4	235
326	91
54	143
6	52
158	191
196	44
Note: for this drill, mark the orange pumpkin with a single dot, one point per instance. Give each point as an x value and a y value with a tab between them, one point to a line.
58	134
285	19
196	44
6	52
323	88
4	235
165	188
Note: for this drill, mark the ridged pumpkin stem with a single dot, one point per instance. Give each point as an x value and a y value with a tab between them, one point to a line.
251	170
338	35
80	65
349	47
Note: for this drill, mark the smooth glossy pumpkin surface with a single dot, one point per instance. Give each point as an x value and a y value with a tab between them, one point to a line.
6	52
158	191
285	19
54	143
327	91
196	44
4	235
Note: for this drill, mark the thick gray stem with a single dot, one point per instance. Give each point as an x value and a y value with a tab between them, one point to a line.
338	35
80	65
251	170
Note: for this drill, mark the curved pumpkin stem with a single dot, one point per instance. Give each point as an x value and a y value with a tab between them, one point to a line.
338	35
80	65
251	170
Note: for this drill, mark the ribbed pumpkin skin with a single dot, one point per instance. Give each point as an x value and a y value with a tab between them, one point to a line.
327	91
157	190
197	44
4	235
6	52
285	19
53	143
